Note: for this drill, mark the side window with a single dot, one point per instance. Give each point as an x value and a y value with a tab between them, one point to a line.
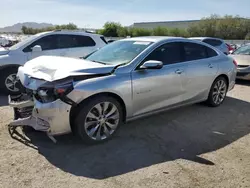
213	42
47	43
84	41
66	41
74	41
193	51
169	53
211	52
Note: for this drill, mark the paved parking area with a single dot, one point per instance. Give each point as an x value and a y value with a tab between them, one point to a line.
194	146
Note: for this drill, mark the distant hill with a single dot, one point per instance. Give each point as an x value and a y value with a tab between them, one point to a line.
16	28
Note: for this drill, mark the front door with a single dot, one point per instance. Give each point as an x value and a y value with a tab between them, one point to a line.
159	88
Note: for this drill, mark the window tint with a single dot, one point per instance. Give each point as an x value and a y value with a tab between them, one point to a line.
168	53
74	41
47	43
211	52
103	39
52	42
193	51
213	42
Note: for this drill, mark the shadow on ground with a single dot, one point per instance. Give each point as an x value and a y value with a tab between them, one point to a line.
183	133
243	82
3	100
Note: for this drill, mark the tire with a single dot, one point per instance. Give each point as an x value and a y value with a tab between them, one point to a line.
213	100
90	121
9	72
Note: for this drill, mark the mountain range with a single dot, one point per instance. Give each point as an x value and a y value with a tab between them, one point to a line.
16	28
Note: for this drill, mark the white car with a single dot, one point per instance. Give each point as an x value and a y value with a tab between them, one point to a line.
215	42
54	43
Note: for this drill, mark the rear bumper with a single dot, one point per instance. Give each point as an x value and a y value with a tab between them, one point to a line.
52	117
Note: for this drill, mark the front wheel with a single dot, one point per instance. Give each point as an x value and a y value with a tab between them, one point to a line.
217	92
98	119
8	81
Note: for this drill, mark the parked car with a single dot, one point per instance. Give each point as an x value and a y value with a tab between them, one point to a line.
122	81
216	42
58	43
242	56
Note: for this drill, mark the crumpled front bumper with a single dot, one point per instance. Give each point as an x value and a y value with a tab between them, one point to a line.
52	117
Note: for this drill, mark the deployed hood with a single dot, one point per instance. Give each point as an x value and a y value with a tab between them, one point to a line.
241	59
3	51
52	68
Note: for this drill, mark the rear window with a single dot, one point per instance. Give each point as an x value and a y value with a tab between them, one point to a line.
103	39
211	52
193	51
213	42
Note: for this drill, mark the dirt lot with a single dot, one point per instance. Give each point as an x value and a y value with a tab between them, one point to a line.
194	146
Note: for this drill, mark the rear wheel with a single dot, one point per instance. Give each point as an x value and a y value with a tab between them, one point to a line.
98	119
217	92
8	81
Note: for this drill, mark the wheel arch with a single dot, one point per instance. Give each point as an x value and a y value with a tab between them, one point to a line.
224	76
74	110
9	66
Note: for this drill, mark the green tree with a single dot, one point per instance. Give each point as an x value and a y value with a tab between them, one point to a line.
160	31
111	29
136	32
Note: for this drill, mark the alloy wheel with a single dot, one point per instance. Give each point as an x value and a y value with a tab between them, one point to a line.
219	92
102	121
10	83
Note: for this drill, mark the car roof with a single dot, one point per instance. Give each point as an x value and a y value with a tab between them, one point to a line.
151	38
68	32
203	38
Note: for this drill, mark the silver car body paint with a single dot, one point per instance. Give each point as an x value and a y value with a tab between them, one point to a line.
143	92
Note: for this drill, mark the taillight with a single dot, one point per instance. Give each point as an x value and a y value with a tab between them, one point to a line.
235	63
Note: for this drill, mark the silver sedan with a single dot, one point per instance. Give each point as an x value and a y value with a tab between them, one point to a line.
123	81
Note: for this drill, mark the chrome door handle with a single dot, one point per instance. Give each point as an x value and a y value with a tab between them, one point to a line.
178	71
210	66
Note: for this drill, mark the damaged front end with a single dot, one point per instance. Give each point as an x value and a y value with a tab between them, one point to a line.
43	106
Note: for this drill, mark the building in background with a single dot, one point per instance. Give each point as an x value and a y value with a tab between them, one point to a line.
169	24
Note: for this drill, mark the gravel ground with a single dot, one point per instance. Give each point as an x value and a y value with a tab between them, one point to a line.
194	146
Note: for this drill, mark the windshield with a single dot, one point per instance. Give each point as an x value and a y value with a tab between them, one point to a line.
119	52
23	42
244	50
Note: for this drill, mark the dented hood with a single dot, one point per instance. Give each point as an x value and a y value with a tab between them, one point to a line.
52	68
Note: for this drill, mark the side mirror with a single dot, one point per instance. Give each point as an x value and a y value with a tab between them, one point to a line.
37	48
151	64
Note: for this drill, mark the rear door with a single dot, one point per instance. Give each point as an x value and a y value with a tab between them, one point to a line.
200	71
156	89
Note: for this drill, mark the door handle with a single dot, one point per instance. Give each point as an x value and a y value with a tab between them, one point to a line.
178	71
210	66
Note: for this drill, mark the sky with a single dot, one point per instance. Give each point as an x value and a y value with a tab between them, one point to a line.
94	13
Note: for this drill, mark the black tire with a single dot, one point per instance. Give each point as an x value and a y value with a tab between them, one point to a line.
85	108
4	73
210	101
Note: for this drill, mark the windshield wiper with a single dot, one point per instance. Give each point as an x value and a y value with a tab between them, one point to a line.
99	62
